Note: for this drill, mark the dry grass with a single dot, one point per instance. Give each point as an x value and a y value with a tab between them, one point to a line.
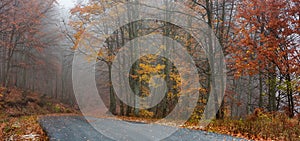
259	126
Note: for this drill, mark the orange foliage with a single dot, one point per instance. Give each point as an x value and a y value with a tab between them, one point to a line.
265	37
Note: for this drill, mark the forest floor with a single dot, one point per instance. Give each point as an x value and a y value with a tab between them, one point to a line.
20	111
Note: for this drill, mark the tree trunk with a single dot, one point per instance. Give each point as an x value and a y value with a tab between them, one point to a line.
112	98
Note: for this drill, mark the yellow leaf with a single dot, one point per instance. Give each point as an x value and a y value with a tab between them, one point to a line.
134	76
163	47
100	53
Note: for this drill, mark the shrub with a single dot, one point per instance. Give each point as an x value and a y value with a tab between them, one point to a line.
259	125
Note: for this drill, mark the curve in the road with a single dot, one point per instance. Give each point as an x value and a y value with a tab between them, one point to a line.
76	128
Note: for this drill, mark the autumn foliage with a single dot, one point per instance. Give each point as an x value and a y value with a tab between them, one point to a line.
265	44
260	40
267	35
21	33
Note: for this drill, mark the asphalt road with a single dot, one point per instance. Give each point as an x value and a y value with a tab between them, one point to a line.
76	128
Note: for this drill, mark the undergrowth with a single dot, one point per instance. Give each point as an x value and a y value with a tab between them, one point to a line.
259	126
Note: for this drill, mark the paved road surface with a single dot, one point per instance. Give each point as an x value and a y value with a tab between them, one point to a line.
76	128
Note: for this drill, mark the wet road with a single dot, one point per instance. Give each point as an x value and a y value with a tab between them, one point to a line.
76	128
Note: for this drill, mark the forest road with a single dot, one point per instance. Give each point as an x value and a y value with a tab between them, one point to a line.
77	128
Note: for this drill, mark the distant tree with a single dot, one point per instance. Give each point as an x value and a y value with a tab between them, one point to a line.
21	32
